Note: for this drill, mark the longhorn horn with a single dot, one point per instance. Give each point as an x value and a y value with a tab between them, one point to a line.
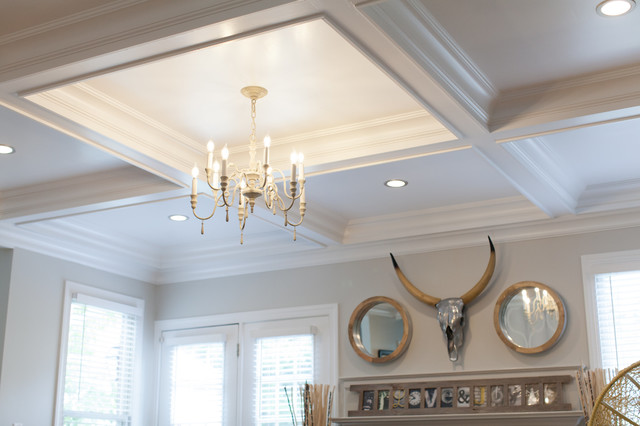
423	297
477	289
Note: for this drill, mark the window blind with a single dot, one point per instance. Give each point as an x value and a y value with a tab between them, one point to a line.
197	384
281	362
99	369
618	306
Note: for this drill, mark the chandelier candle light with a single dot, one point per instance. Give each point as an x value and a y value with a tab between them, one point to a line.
229	182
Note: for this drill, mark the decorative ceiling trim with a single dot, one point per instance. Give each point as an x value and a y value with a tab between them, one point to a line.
613	95
610	196
161	19
121	125
458	218
541	162
99	112
74	18
419	34
117	184
128	258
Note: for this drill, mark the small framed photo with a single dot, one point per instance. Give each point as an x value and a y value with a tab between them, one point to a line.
515	395
447	397
383	400
464	397
532	394
431	397
479	396
415	398
367	400
497	396
550	393
399	398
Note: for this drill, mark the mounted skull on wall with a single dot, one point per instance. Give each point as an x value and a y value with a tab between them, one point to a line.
451	311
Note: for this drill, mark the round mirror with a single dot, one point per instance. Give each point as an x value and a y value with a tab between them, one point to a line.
379	329
529	317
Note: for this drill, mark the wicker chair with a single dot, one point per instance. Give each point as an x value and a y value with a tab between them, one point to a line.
619	402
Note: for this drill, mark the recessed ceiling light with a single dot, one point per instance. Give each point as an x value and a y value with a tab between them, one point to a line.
6	149
396	183
178	217
615	7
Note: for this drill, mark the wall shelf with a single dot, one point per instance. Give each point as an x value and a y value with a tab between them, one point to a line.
556	418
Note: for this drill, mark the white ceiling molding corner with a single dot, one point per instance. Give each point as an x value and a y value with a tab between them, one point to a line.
540	161
413	28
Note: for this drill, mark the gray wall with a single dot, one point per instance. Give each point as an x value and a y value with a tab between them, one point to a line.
34	314
552	261
6	256
32	336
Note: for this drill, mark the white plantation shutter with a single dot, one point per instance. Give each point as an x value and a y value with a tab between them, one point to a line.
618	307
281	362
198	376
100	362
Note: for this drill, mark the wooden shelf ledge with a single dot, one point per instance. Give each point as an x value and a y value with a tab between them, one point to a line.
556	418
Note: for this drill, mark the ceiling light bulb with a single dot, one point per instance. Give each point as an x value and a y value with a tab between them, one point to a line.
267	141
6	149
615	7
195	172
178	217
396	183
210	145
225	153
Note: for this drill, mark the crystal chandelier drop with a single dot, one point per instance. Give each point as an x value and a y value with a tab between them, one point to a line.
232	185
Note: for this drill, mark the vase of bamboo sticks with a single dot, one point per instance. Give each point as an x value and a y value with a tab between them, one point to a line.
316	400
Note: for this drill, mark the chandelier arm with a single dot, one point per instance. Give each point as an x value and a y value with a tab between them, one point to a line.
204	217
210	180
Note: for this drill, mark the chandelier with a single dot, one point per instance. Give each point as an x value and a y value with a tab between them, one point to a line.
232	185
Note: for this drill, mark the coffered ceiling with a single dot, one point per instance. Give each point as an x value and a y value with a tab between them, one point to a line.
510	118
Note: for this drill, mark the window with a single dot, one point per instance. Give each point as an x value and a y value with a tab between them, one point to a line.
618	299
198	376
281	362
612	296
280	348
281	355
97	381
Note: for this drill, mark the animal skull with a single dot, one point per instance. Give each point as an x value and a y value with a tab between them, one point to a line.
451	311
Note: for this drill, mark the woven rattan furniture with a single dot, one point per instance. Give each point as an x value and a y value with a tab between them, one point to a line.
619	402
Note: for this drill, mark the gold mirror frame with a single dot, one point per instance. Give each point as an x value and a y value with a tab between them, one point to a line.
506	297
354	329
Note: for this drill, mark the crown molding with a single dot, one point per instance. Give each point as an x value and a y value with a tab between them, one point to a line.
418	33
97	111
539	160
100	187
120	28
69	241
610	196
94	12
117	122
569	103
82	246
485	214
